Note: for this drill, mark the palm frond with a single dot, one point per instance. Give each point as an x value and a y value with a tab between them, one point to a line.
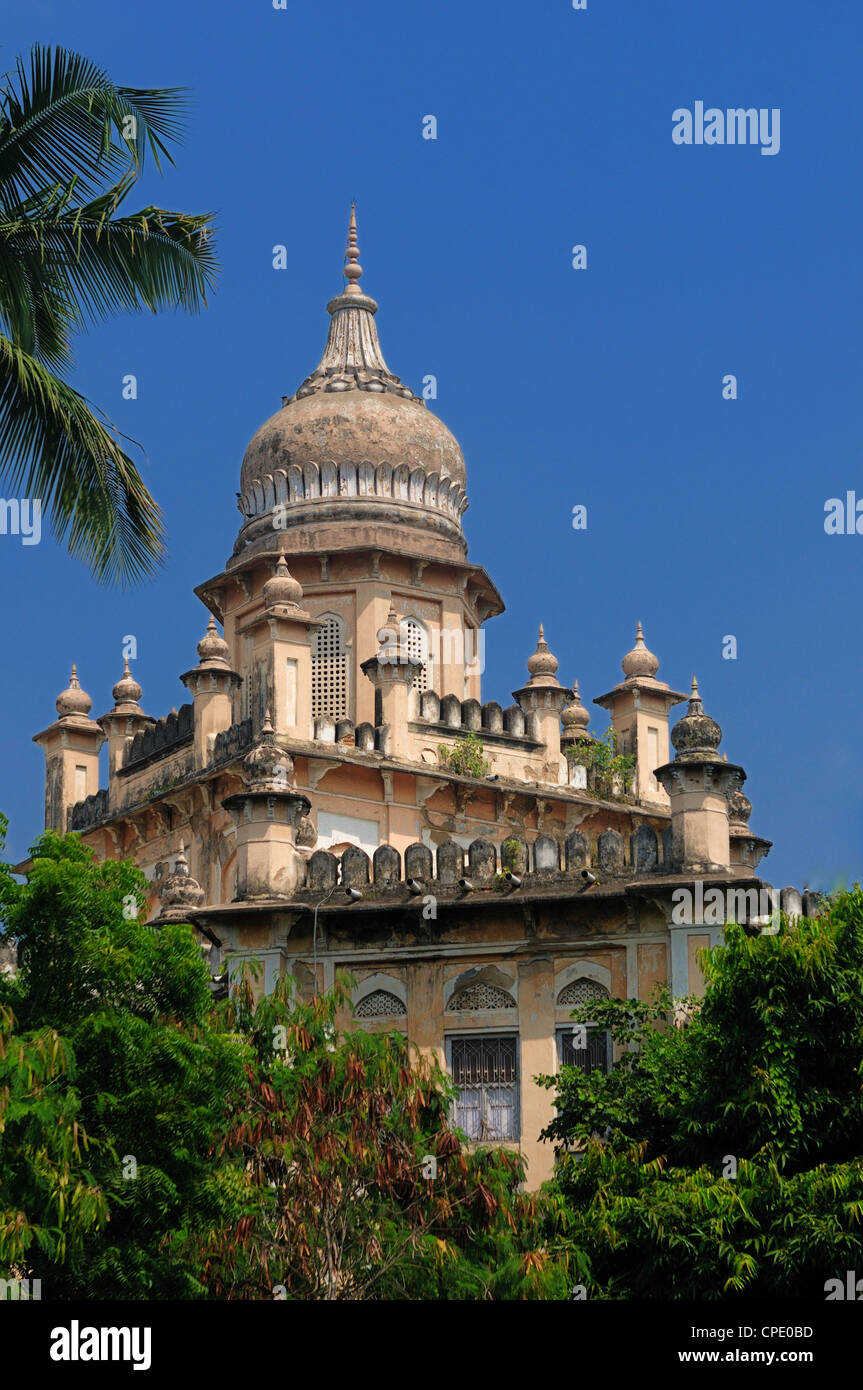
55	448
63	119
89	264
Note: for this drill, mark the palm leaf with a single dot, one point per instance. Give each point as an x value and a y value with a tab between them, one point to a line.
98	264
56	449
64	120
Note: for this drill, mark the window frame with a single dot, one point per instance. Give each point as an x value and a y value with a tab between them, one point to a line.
562	1030
482	1035
326	620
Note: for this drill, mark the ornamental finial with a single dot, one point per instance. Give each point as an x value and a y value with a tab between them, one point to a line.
353	269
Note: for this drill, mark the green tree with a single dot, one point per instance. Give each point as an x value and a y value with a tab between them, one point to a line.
72	144
357	1187
723	1158
107	1034
153	1145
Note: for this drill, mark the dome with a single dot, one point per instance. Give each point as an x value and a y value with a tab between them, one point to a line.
696	736
73	700
282	588
348	428
354	444
543	664
574	717
127	691
640	661
266	766
212	647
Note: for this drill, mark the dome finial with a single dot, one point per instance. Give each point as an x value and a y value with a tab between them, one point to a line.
73	700
213	649
696	736
282	587
127	692
542	666
640	662
353	269
574	716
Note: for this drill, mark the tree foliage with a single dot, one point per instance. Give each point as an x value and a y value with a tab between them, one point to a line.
154	1145
723	1158
72	145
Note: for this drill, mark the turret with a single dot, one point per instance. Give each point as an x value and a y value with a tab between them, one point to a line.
699	784
71	746
120	725
639	707
543	699
211	684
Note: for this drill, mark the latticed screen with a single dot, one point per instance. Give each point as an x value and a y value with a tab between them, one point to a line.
594	1057
582	991
415	639
330	671
485	1069
481	997
380	1004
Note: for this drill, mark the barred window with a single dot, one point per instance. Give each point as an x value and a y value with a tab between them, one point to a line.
481	997
583	1045
582	991
330	670
485	1070
595	1056
380	1004
415	639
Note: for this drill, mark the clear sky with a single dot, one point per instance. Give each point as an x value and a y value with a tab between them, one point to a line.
601	387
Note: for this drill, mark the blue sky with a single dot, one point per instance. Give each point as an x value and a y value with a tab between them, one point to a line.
601	387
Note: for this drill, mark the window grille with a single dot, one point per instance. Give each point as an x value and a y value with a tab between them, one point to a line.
481	997
596	1056
380	1004
582	991
415	639
485	1069
330	671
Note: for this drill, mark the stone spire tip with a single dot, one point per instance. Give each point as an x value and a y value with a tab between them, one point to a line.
353	270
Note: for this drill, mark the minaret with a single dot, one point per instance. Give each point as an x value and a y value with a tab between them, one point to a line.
542	700
575	719
391	671
71	746
639	707
211	684
266	815
699	783
120	725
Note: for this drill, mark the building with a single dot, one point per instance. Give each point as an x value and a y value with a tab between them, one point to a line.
320	802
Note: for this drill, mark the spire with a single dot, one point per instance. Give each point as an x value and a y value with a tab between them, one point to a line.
352	359
353	269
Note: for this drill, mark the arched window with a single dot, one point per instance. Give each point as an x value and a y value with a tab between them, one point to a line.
473	997
330	694
582	1045
581	991
415	638
380	1004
